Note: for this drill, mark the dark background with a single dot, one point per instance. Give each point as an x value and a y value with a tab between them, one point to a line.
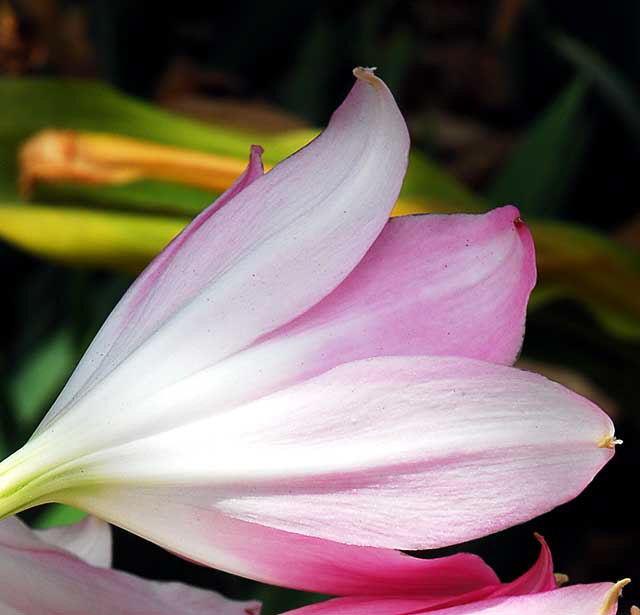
471	77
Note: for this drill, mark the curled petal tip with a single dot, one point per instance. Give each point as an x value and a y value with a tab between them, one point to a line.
612	596
514	213
367	74
609	442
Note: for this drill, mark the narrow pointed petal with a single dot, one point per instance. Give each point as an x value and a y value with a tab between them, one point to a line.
39	578
89	539
281	558
279	245
389	449
595	599
539	578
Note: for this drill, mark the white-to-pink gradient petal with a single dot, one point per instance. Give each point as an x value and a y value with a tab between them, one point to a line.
36	577
595	599
390	450
399	445
281	558
276	248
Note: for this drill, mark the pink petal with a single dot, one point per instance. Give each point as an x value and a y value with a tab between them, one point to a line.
282	558
539	578
454	285
38	578
595	599
281	243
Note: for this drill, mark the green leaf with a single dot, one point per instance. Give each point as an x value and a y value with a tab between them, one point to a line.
121	240
40	377
142	195
425	180
39	103
542	167
583	265
58	514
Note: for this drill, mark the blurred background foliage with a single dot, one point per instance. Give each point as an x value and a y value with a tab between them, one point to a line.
531	102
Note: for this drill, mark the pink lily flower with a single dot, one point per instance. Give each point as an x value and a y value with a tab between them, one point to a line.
67	570
296	385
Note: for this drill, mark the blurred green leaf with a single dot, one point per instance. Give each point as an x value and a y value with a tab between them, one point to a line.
543	165
58	514
41	103
5	440
125	241
601	274
607	80
425	180
40	377
143	195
